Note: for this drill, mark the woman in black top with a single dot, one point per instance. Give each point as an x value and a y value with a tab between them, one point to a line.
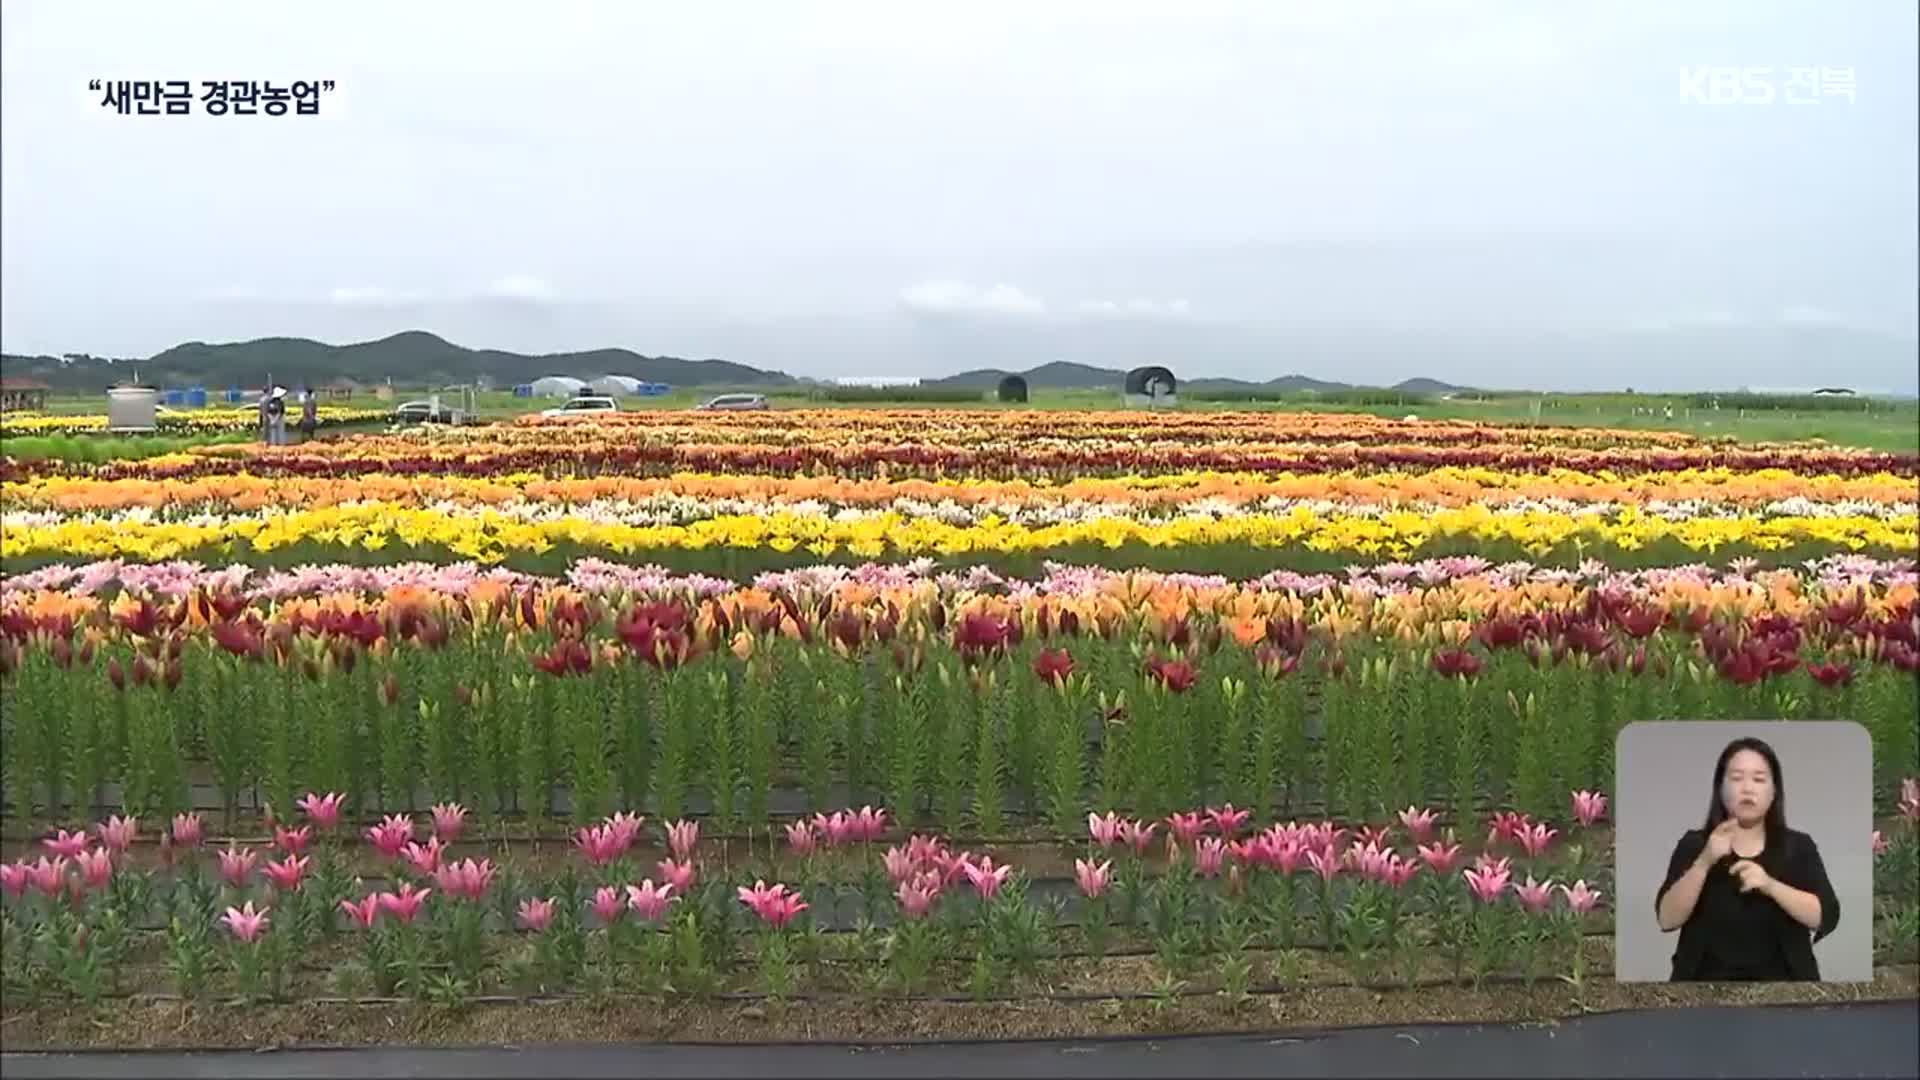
1748	895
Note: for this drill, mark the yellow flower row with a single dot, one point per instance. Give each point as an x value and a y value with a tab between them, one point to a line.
198	420
487	536
1453	486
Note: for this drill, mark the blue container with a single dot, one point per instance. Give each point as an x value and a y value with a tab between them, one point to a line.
196	397
173	398
523	390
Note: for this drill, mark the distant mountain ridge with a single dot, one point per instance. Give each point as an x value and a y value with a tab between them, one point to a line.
1061	374
413	358
416	358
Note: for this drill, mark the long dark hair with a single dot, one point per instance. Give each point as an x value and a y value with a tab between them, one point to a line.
1776	821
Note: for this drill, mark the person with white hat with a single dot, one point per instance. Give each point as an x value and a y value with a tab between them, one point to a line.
277	416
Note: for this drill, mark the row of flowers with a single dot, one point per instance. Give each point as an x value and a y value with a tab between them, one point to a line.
489	535
487	456
1771	491
211	421
683	509
1402	902
990	711
973	426
1430	585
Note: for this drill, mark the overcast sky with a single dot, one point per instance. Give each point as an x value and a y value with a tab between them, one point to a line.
840	188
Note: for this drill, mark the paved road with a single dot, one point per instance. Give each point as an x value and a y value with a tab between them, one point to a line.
1878	1040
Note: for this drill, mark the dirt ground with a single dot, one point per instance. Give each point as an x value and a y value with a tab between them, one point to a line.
148	1023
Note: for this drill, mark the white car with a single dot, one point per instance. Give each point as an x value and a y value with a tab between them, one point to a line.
584	405
413	412
732	402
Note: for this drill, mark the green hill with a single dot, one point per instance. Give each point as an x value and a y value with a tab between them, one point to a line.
414	358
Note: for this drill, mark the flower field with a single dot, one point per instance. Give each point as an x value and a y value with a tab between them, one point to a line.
905	705
213	421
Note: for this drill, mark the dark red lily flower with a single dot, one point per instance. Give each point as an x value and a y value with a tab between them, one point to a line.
1830	675
979	634
1176	675
140	619
1641	622
1053	665
1461	662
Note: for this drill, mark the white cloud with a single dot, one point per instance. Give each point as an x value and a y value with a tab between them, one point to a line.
949	297
368	296
520	287
1807	315
1137	308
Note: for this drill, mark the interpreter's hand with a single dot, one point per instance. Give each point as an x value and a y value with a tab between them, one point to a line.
1752	876
1719	842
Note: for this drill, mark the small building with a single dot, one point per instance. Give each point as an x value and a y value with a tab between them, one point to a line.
1013	388
616	385
22	395
1833	391
558	386
1150	388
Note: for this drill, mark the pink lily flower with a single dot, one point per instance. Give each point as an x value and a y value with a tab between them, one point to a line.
1487	882
1375	836
405	904
118	832
15	877
987	878
1418	823
677	874
1093	880
1324	863
1534	895
1186	828
1105	829
236	865
899	864
1399	871
916	896
1139	834
1881	845
392	835
650	901
1580	898
96	868
870	824
682	838
49	878
66	845
425	858
601	844
323	809
626	827
802	839
1228	819
775	905
607	904
1209	856
363	913
245	923
286	874
535	915
466	879
1536	839
188	830
293	841
1588	807
449	820
1440	858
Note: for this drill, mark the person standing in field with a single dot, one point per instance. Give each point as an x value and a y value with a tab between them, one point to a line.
276	408
309	412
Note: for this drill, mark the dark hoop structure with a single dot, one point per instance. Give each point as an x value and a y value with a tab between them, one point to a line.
1013	388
